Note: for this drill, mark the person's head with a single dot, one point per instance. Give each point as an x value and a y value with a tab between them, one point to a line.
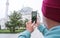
51	13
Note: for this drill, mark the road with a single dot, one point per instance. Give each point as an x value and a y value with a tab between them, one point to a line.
35	34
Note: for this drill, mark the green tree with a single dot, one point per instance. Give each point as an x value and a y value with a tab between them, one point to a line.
26	20
0	27
14	21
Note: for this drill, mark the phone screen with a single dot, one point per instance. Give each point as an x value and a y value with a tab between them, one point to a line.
34	16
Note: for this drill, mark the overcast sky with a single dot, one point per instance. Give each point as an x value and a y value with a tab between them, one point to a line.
18	4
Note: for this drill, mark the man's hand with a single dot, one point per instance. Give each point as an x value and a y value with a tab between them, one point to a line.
37	23
31	26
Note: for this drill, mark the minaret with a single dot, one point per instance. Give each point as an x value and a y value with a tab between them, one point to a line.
7	7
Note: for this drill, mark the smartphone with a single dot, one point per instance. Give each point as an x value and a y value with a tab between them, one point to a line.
34	16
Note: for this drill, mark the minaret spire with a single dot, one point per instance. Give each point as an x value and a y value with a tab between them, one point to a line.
7	7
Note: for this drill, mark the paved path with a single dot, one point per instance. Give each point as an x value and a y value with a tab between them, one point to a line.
35	34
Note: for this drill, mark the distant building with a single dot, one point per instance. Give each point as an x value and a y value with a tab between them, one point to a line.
4	20
2	23
26	13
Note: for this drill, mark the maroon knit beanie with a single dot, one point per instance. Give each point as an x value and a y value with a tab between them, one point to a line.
51	9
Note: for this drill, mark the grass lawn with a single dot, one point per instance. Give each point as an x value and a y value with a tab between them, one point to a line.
1	31
8	31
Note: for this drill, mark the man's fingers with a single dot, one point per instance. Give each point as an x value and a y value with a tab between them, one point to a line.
29	22
33	23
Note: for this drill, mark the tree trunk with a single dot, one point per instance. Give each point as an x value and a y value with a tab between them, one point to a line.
10	29
14	29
